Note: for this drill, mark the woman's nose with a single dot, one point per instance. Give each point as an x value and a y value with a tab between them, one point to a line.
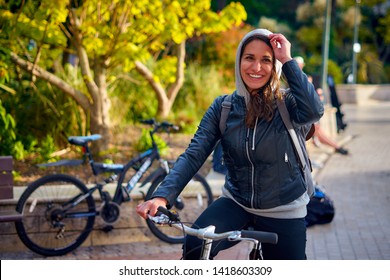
257	66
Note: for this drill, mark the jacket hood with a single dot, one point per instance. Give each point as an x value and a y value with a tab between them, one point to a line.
240	86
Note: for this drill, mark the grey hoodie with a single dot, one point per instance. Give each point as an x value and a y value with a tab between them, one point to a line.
240	87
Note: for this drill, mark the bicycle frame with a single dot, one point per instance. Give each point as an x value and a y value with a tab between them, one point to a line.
144	160
147	157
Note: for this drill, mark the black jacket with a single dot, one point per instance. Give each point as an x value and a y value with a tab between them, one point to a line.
263	170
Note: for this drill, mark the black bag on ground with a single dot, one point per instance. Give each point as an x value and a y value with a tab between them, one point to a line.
320	209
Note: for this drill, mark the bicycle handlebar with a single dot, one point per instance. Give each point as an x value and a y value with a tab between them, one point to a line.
163	125
208	232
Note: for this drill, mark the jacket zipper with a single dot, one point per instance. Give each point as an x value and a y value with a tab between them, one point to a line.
286	160
253	168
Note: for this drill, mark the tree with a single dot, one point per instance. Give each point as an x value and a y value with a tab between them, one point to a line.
107	35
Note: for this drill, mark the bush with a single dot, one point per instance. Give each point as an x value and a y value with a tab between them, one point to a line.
202	85
145	142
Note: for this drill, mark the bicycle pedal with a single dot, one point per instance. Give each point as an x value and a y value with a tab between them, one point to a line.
107	228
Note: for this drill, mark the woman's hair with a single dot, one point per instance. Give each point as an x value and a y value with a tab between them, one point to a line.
262	102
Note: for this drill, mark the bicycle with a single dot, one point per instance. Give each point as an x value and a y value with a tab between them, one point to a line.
59	210
166	217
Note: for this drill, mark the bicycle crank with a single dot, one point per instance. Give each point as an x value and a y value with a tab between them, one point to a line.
110	212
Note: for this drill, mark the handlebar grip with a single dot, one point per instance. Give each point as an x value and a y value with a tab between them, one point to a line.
261	236
166	125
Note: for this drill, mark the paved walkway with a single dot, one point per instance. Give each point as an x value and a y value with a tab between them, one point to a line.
360	187
358	183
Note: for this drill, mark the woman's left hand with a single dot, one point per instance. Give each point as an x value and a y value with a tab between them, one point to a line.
281	47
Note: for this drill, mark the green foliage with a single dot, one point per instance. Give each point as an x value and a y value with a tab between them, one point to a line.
46	149
310	39
313	67
311	17
371	69
7	132
38	110
383	28
18	150
275	26
132	99
108	38
10	141
145	142
281	10
217	50
202	85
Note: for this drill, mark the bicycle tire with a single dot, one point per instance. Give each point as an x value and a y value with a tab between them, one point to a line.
195	198
45	228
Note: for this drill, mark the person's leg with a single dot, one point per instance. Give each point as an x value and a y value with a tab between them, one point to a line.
291	238
225	215
324	139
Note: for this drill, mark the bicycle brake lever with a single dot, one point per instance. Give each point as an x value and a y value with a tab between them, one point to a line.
160	220
172	216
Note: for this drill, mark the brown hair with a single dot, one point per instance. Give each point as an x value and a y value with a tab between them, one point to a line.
262	101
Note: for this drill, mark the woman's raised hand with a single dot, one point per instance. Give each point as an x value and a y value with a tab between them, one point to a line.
281	47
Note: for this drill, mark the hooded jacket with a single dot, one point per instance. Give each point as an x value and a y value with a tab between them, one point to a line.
263	170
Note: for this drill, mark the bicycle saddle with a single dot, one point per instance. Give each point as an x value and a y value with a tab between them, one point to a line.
82	140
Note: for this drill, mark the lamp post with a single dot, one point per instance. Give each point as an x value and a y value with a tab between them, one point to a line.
356	46
325	51
328	122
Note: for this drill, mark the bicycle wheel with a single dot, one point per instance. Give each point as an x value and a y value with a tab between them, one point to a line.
193	200
54	221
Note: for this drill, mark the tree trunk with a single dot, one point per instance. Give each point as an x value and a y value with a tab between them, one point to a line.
100	111
165	98
97	111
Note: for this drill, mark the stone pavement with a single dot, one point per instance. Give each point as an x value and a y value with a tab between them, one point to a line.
358	184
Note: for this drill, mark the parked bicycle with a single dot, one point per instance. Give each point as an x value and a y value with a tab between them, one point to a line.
171	219
59	210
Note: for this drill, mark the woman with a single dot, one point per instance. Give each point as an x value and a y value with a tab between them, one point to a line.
264	186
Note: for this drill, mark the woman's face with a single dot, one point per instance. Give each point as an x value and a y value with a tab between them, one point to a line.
256	64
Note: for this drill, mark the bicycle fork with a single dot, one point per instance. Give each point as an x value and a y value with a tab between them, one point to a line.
206	249
255	253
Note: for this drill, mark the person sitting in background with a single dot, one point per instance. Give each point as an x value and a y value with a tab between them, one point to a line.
319	134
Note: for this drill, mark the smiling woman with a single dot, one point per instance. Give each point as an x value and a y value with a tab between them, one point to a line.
264	187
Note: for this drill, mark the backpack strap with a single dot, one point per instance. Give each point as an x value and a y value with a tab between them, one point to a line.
287	122
226	105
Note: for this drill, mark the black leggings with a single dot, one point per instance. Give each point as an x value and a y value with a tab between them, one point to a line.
226	215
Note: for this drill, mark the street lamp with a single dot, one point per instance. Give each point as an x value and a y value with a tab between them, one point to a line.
356	46
325	51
